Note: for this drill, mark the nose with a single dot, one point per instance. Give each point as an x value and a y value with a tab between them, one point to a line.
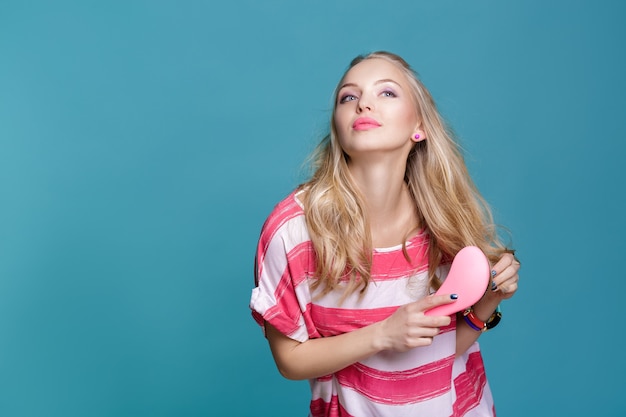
364	104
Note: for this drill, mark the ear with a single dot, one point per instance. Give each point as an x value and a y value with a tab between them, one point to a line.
418	136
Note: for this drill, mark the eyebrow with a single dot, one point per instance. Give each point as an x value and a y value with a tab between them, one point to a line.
384	80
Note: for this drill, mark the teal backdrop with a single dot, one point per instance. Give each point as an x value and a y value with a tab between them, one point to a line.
143	143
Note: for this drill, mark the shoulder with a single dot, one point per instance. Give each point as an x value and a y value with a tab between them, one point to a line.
287	217
287	209
284	238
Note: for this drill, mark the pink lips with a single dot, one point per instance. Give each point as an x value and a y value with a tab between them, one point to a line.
365	123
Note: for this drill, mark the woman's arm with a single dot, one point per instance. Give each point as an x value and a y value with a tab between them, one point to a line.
405	329
506	279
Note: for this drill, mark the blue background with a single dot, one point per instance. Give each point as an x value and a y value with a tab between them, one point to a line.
143	143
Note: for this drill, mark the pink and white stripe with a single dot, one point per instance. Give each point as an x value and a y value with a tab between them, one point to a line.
426	381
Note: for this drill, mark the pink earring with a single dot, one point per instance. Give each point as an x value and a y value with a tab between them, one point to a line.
417	136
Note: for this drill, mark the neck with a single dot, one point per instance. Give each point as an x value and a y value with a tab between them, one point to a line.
391	210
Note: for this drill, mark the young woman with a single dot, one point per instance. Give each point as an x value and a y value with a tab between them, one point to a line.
347	264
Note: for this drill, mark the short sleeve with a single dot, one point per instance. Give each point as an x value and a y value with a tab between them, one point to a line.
281	294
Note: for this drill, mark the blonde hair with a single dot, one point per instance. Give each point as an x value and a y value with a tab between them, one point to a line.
448	204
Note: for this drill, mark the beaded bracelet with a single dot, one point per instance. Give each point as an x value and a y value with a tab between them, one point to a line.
479	325
494	319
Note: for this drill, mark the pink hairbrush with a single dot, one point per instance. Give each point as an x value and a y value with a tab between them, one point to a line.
468	278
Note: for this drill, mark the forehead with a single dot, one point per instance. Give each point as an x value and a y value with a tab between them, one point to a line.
374	69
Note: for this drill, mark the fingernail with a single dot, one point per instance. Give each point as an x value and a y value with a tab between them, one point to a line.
493	286
454	296
493	272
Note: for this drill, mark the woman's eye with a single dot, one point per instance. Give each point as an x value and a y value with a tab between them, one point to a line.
388	93
346	98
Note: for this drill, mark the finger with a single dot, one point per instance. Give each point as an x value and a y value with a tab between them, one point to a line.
421	342
509	288
505	270
504	262
506	286
508	280
424	331
425	338
435	300
506	274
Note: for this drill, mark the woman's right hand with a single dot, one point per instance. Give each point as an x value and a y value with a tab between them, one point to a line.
408	327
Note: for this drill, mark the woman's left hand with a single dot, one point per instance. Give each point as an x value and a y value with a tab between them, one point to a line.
504	283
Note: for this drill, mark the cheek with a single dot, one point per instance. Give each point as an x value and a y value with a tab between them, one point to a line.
406	117
341	122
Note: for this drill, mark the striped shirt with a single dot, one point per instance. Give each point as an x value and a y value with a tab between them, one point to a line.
424	381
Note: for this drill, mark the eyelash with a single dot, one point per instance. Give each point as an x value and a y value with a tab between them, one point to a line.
350	97
344	98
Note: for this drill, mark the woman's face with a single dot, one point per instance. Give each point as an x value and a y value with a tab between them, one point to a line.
375	113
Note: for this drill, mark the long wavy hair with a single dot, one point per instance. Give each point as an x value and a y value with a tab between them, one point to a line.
448	205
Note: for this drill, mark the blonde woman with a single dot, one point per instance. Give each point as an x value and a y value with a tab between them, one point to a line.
347	264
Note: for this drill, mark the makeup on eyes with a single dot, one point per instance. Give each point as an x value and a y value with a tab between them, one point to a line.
393	93
386	89
343	98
